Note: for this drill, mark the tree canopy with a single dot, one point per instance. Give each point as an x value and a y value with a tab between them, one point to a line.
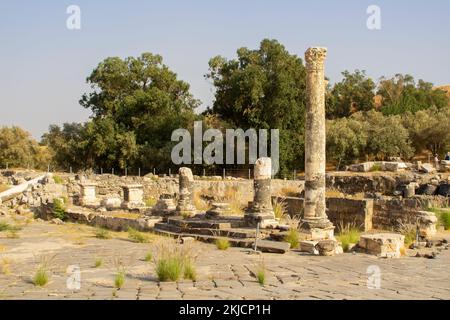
264	88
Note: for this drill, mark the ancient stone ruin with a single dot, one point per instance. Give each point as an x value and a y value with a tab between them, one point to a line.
242	211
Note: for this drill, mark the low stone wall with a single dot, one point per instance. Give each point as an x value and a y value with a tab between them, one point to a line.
109	185
355	212
392	212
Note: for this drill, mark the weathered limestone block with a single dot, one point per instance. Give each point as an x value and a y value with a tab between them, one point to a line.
327	247
427	224
361	167
164	206
385	245
88	196
112	203
427	168
309	246
133	196
261	209
185	204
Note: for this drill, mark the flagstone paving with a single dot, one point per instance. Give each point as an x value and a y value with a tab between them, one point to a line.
220	274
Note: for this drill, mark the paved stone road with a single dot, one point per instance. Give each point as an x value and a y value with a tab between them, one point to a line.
221	274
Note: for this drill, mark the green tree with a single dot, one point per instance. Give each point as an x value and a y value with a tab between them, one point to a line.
429	129
401	94
19	149
386	135
346	140
354	93
263	88
136	104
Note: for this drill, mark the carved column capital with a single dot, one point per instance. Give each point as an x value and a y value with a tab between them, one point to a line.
315	58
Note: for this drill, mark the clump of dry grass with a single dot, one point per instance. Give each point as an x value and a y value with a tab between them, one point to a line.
120	274
334	193
260	272
290	192
279	207
199	202
409	231
42	274
172	260
5	266
232	196
3	187
348	234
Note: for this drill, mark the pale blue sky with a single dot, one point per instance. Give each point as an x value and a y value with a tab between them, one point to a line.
43	65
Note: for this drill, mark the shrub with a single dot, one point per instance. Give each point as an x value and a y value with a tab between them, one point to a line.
293	238
101	233
137	236
347	235
222	244
443	217
59	210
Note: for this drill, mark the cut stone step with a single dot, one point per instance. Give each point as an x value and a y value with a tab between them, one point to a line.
262	245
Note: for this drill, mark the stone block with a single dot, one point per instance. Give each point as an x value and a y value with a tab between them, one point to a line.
309	246
111	203
361	167
427	224
427	168
386	245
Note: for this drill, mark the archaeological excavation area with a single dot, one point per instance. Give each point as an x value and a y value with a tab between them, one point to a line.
362	233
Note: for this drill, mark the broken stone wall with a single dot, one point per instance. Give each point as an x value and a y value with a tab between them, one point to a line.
390	213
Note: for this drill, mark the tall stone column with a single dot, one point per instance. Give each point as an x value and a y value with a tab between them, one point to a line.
261	208
185	205
315	220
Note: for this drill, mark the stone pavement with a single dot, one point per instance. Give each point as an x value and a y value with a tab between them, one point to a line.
220	274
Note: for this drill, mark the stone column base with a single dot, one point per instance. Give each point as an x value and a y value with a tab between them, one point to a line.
316	233
265	220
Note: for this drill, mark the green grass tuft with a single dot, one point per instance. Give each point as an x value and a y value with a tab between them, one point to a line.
119	279
98	263
293	238
169	268
101	233
222	244
348	235
137	236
